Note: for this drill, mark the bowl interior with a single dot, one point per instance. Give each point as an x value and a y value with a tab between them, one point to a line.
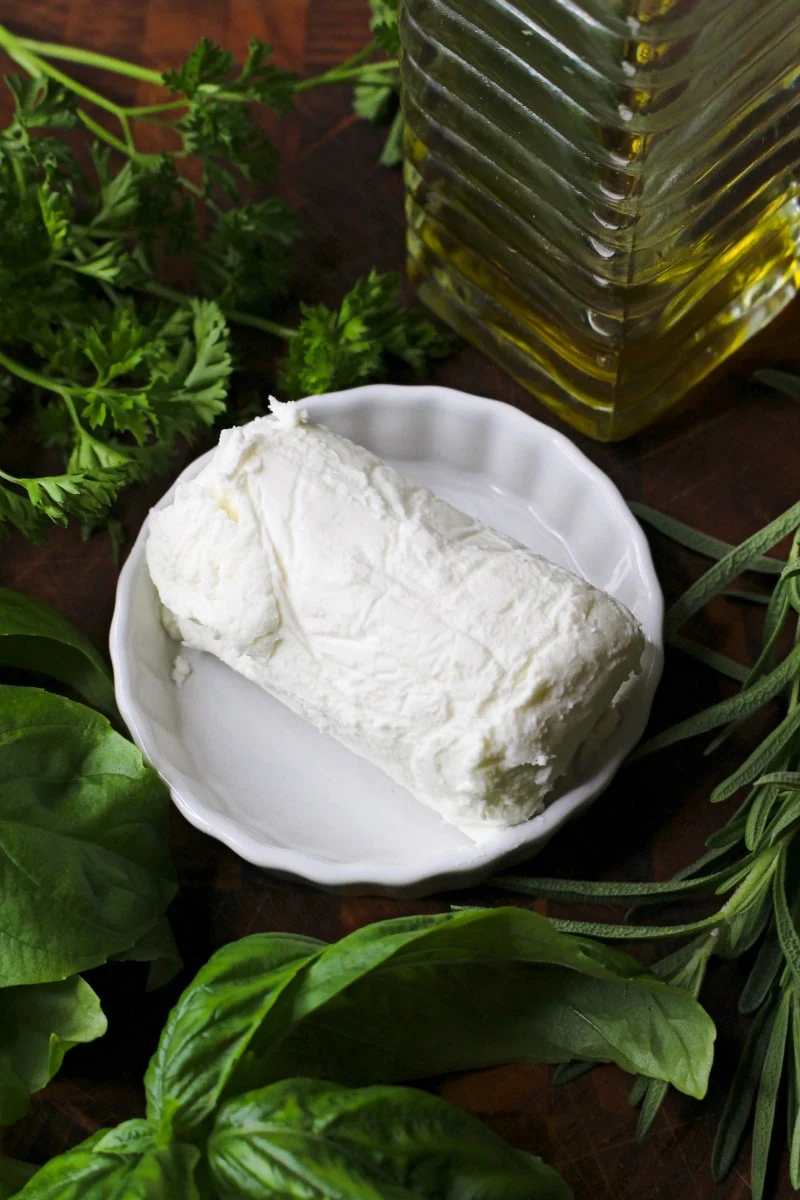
245	769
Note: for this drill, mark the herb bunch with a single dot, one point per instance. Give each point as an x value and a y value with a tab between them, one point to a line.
751	868
82	881
106	360
239	1098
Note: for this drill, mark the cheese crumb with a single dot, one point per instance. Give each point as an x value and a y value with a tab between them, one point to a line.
288	414
181	670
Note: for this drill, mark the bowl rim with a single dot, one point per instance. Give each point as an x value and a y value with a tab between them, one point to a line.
442	869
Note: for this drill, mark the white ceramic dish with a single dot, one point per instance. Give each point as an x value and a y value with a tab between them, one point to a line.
246	770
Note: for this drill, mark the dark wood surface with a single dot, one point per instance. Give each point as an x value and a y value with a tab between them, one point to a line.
727	464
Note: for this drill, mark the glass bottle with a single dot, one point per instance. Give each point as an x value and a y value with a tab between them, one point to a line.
604	195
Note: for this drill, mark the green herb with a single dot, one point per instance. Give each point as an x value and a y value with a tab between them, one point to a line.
111	364
273	1005
398	1000
346	348
94	1171
701	543
782	381
214	1023
302	1134
376	96
38	1024
384	24
35	637
84	869
558	992
13	1176
158	948
753	861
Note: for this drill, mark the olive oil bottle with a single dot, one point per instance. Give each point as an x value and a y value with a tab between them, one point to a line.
604	195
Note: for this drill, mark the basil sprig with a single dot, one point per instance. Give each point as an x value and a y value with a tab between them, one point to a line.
240	1098
84	868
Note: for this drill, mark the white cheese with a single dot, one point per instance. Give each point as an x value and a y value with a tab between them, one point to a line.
468	668
181	670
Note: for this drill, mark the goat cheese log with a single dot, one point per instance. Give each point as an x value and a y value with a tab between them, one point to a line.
466	667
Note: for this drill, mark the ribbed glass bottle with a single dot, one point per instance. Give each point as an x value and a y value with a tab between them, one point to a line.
604	194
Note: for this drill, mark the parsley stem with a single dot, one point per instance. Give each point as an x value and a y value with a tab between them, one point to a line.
88	58
111	140
73	412
355	61
37	66
147	110
344	75
126	130
34	377
233	314
359	57
119	66
242	318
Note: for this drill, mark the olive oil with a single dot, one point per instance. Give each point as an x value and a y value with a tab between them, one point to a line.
604	196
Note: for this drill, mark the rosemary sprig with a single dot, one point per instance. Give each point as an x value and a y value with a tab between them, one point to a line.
753	861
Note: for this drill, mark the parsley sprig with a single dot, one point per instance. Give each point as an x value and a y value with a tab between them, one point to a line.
100	353
750	871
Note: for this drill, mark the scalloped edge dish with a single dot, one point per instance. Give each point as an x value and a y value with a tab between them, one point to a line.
244	770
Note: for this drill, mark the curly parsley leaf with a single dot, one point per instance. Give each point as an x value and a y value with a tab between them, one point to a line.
375	96
384	25
342	348
209	70
392	153
221	134
165	214
41	103
129	387
116	200
262	81
31	505
208	66
113	380
247	260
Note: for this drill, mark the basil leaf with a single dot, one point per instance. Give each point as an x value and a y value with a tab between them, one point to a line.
35	637
303	1138
131	1137
86	1173
211	1026
13	1176
38	1025
157	947
84	867
467	989
476	988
